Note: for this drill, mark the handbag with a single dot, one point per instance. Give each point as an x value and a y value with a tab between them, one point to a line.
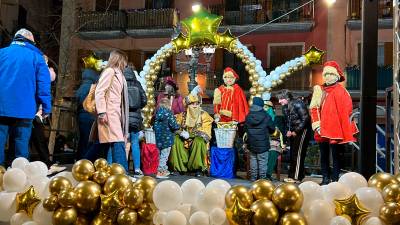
89	104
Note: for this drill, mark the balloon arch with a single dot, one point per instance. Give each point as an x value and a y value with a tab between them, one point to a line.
201	31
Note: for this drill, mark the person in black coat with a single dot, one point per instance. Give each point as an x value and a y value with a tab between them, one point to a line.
137	101
258	126
298	133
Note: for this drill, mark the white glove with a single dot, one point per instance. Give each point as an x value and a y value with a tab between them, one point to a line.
185	134
217	118
318	130
141	135
235	122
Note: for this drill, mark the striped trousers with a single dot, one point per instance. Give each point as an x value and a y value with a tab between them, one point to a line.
298	152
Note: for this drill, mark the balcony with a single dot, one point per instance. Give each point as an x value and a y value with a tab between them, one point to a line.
385	77
385	14
119	24
250	14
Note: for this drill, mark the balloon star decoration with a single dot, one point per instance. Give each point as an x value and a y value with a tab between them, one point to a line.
27	201
238	214
111	205
314	56
92	62
352	208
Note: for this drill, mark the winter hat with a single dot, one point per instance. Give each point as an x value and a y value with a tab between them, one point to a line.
258	101
229	70
170	81
333	67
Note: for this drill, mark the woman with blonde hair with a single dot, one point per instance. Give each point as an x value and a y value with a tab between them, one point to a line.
112	106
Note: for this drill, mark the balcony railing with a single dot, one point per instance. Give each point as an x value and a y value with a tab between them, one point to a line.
257	12
385	9
101	21
385	77
151	19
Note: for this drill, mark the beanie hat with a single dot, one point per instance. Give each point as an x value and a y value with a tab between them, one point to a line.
228	69
333	67
258	101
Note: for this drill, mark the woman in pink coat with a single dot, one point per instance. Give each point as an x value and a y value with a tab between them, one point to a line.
111	99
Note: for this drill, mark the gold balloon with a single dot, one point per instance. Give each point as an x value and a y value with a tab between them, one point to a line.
265	212
146	211
57	184
158	67
2	169
90	62
101	219
274	83
282	76
116	169
391	193
248	68
83	170
288	197
82	220
100	177
127	217
246	59
251	79
87	196
147	77
380	180
255	84
252	64
133	197
279	82
1	181
180	43
111	205
50	203
235	51
240	55
290	69
314	56
147	185
262	189
226	40
67	198
117	182
152	70
256	76
237	214
153	77
390	213
152	64
241	193
253	91
293	219
397	177
258	95
100	164
65	216
27	201
351	207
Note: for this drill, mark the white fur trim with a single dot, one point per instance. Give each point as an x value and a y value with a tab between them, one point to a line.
331	70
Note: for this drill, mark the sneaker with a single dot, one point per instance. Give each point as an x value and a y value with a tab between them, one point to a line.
56	169
161	175
167	173
138	173
290	180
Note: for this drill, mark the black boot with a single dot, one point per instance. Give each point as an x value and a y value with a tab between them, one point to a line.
325	180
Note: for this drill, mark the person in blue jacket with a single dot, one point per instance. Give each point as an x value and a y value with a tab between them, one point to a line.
25	84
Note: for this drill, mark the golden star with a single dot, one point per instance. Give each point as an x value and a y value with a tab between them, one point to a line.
202	27
27	201
351	207
111	205
314	56
180	43
225	39
238	214
90	62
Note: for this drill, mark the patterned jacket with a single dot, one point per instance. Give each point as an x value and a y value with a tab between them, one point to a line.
164	127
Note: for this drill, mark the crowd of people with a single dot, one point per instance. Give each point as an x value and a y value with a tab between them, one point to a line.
183	130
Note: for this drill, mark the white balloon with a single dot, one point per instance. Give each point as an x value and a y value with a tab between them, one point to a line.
371	199
210	198
33	170
339	220
42	216
263	73
266	96
319	212
190	189
199	218
217	216
186	210
258	62
373	221
7	205
353	181
219	184
336	190
146	68
259	69
41	185
19	163
175	217
14	180
30	223
69	176
311	192
167	195
267	84
43	166
19	218
159	217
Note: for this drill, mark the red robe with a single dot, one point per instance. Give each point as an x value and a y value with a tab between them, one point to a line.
334	116
232	101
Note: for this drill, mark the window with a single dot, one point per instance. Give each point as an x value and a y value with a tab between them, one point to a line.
385	56
159	4
107	5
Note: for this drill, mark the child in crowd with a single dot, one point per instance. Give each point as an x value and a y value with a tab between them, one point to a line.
258	127
164	128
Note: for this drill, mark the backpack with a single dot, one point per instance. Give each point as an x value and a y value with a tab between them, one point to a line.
89	104
134	97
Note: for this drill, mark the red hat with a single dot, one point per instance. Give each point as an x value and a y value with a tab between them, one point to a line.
333	67
171	81
228	69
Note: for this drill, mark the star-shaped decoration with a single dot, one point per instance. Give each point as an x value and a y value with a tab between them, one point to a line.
225	39
314	56
351	207
27	201
91	62
238	214
202	27
180	43
111	205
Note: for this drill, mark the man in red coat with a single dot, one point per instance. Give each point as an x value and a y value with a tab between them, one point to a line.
331	107
230	104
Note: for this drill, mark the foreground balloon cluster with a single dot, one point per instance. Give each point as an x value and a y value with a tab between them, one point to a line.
102	194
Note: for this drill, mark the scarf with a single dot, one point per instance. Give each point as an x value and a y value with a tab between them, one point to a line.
192	116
